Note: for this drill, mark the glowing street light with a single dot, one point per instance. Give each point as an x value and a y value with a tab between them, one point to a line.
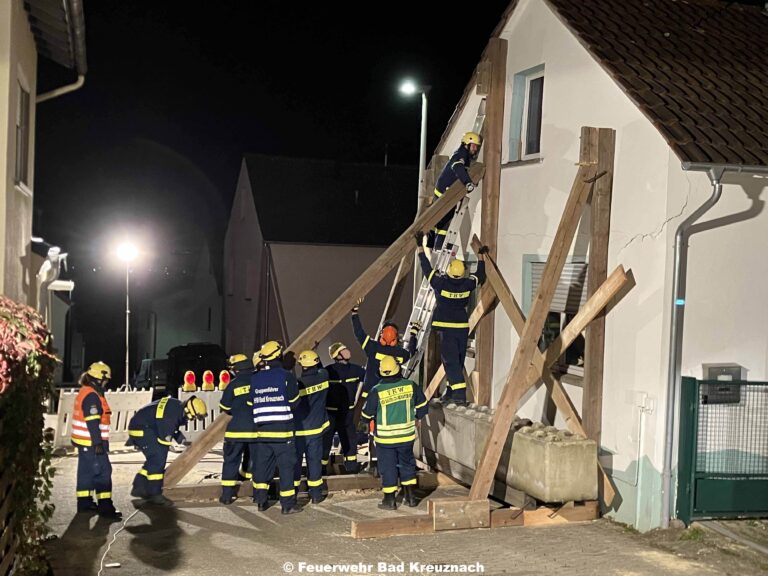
127	252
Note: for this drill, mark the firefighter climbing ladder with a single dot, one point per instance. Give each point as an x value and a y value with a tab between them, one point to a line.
424	307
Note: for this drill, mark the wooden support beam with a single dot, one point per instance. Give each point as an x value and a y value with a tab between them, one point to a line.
193	454
398	526
376	272
541	363
602	152
510	396
340	308
492	145
459	513
486	301
212	491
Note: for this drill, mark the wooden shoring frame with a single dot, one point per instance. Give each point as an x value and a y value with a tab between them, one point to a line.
528	345
542	362
339	309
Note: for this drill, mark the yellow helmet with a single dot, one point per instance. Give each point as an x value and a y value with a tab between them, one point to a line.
388	366
194	407
269	351
456	269
99	371
236	358
335	348
471	138
309	358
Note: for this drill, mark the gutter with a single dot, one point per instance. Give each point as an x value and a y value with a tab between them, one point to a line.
677	307
76	24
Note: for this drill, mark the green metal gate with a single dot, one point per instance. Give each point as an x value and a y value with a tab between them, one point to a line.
723	450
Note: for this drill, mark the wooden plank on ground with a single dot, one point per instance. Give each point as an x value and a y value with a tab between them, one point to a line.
489	223
486	302
512	392
212	491
399	526
459	513
503	517
583	512
602	152
181	466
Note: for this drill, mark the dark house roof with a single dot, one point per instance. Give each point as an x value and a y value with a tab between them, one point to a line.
323	201
59	30
696	68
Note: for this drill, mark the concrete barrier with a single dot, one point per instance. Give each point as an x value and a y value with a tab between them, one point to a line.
123	404
551	465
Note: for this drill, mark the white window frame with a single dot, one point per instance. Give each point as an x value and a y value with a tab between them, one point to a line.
524	125
21	181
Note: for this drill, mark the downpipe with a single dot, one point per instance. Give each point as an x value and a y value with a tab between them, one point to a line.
677	304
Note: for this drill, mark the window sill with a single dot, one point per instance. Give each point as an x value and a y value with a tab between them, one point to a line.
528	162
21	187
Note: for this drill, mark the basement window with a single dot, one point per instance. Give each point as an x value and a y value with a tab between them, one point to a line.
525	122
21	174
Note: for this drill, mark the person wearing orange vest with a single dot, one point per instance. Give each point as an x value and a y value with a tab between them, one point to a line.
91	419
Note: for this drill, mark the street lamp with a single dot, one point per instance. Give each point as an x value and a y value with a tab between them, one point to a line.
127	252
409	88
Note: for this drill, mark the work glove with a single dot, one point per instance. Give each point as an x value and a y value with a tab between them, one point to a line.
99	449
483	250
470	187
356	307
415	328
362	426
419	236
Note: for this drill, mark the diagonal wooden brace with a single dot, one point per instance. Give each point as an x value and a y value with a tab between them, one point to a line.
540	360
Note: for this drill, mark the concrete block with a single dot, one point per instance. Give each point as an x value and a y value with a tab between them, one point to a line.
553	465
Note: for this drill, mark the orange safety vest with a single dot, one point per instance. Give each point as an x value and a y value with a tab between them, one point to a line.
80	433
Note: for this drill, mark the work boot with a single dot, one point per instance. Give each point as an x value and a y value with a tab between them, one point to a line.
318	498
409	497
136	492
294	509
106	509
446	399
389	502
86	505
226	500
160	500
262	506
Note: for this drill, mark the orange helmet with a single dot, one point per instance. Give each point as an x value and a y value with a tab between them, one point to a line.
388	335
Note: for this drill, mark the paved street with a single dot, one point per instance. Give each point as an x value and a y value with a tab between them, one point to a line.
209	539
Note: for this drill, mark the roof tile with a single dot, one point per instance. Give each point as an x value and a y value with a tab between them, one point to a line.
696	68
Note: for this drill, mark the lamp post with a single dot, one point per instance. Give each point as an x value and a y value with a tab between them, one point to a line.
127	252
410	88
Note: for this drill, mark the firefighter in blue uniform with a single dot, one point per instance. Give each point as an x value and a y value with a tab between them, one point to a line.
394	405
311	423
450	318
456	169
151	430
344	378
274	393
91	419
388	344
236	401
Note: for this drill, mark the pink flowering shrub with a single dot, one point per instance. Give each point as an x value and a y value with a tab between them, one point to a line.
26	376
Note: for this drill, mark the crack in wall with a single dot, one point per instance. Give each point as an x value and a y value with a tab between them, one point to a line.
657	233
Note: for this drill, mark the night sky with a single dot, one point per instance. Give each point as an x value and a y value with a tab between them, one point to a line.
176	92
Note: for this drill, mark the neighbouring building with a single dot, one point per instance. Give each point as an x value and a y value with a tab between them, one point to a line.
300	231
683	84
28	29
